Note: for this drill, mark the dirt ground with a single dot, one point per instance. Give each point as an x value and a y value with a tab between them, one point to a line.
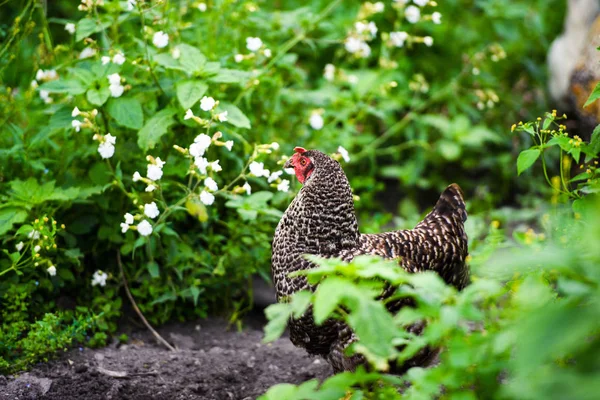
212	362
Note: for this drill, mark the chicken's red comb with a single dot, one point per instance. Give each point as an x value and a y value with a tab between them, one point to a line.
299	150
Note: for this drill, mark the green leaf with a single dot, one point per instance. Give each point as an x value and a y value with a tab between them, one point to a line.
225	75
10	216
595	95
153	269
192	60
234	115
327	297
86	26
526	159
189	92
165	60
127	112
98	96
155	128
69	86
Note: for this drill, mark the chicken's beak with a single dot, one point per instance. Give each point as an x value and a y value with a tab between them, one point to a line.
288	164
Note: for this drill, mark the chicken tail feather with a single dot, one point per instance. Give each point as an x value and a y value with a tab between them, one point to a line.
451	202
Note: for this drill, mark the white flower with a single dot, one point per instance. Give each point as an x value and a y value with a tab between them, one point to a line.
258	169
421	3
106	150
136	176
150	188
274	176
207	198
159	162
289	171
154	172
75	112
160	39
316	120
202	7
207	103
40	75
110	138
116	90
87	52
238	58
352	44
352	79
188	114
329	72
34	84
215	166
344	153
398	38
131	5
144	228
114	79
151	210
211	184
176	53
76	124
37	248
361	27
378	7
247	188
51	270
33	235
267	53
436	17
118	58
99	278
428	40
105	60
45	95
412	14
253	43
128	219
70	27
201	163
124	227
229	144
275	146
284	186
19	246
201	143
222	117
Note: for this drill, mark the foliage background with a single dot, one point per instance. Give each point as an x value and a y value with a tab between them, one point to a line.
413	119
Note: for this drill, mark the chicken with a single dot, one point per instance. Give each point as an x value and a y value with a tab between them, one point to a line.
321	220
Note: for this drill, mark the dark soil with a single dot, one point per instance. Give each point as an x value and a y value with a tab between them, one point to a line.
212	362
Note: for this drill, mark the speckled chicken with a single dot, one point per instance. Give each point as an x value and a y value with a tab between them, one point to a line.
321	220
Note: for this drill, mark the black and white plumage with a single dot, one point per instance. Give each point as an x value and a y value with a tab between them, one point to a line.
321	220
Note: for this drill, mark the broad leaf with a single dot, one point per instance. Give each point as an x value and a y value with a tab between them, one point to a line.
235	116
189	92
10	216
155	128
594	96
86	26
69	86
127	112
526	159
98	96
192	60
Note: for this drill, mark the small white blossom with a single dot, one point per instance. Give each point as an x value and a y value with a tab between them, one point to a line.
51	270
229	144
33	235
99	278
329	72
188	114
344	153
151	210
118	58
154	172
215	166
253	43
105	60
207	103
159	162
75	112
176	53
421	3
274	176
207	198
247	188
362	27
76	124
202	7
136	176
201	143
436	17
201	163
37	248
275	146
110	138
289	171
238	58
40	75
45	95
284	186
412	14
131	4
87	52
267	53
128	219
144	228
428	40
258	169
116	90
106	150
398	38
34	84
352	44
211	184
379	7
316	121
150	188
70	27
19	246
222	117
160	39
124	227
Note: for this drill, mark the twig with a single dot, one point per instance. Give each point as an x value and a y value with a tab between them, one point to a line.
136	308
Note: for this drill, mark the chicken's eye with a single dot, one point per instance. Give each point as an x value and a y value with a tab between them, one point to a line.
303	161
